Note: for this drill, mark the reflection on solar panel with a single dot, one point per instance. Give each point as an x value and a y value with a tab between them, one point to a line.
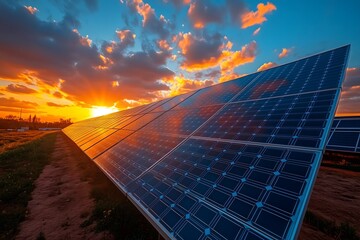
345	135
232	161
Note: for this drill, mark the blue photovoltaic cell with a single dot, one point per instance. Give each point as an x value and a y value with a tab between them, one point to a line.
106	143
297	120
129	158
142	121
345	135
172	102
217	94
94	140
243	182
183	121
318	72
232	161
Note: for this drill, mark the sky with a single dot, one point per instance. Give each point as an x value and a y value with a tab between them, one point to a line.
79	59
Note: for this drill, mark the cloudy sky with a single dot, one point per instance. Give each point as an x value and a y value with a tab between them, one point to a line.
76	59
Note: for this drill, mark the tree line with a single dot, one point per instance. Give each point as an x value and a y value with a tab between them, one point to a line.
33	122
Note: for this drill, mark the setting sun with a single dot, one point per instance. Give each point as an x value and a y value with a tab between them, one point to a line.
97	111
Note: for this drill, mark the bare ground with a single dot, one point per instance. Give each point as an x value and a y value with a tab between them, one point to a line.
60	201
336	197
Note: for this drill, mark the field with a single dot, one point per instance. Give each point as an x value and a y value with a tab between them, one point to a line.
51	177
11	140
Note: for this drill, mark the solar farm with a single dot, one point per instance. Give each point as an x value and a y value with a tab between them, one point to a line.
237	160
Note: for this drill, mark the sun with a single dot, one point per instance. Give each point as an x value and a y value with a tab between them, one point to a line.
97	111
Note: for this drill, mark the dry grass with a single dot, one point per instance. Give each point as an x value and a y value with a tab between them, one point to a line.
12	140
19	168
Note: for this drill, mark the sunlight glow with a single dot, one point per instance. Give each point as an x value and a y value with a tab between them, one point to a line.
97	111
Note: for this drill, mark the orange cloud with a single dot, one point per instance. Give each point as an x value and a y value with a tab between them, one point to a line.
31	9
284	53
180	84
203	12
266	66
124	34
52	104
213	51
237	58
14	103
18	88
164	45
58	94
249	19
196	54
230	76
350	97
150	21
85	41
256	32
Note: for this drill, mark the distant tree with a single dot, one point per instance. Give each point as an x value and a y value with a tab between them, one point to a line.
30	118
10	117
34	119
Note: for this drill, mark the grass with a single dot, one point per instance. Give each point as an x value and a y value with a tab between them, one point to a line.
19	168
330	228
113	212
12	140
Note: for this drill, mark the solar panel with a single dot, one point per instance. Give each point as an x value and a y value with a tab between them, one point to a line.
345	135
235	160
217	94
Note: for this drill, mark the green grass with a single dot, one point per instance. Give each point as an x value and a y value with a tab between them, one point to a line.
113	212
330	228
19	168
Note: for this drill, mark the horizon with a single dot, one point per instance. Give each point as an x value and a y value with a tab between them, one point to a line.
81	60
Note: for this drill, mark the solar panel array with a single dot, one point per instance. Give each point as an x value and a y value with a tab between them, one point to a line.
345	135
235	160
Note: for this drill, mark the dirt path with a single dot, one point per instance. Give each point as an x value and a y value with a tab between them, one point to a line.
60	201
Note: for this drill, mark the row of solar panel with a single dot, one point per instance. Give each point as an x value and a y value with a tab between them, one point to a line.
235	160
345	135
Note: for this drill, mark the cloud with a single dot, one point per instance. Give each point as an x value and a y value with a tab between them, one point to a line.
52	104
58	94
236	8
200	52
266	66
180	84
14	103
203	12
212	74
126	37
245	55
18	88
256	32
150	22
29	45
284	52
350	97
31	9
229	76
210	51
251	18
164	45
81	71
